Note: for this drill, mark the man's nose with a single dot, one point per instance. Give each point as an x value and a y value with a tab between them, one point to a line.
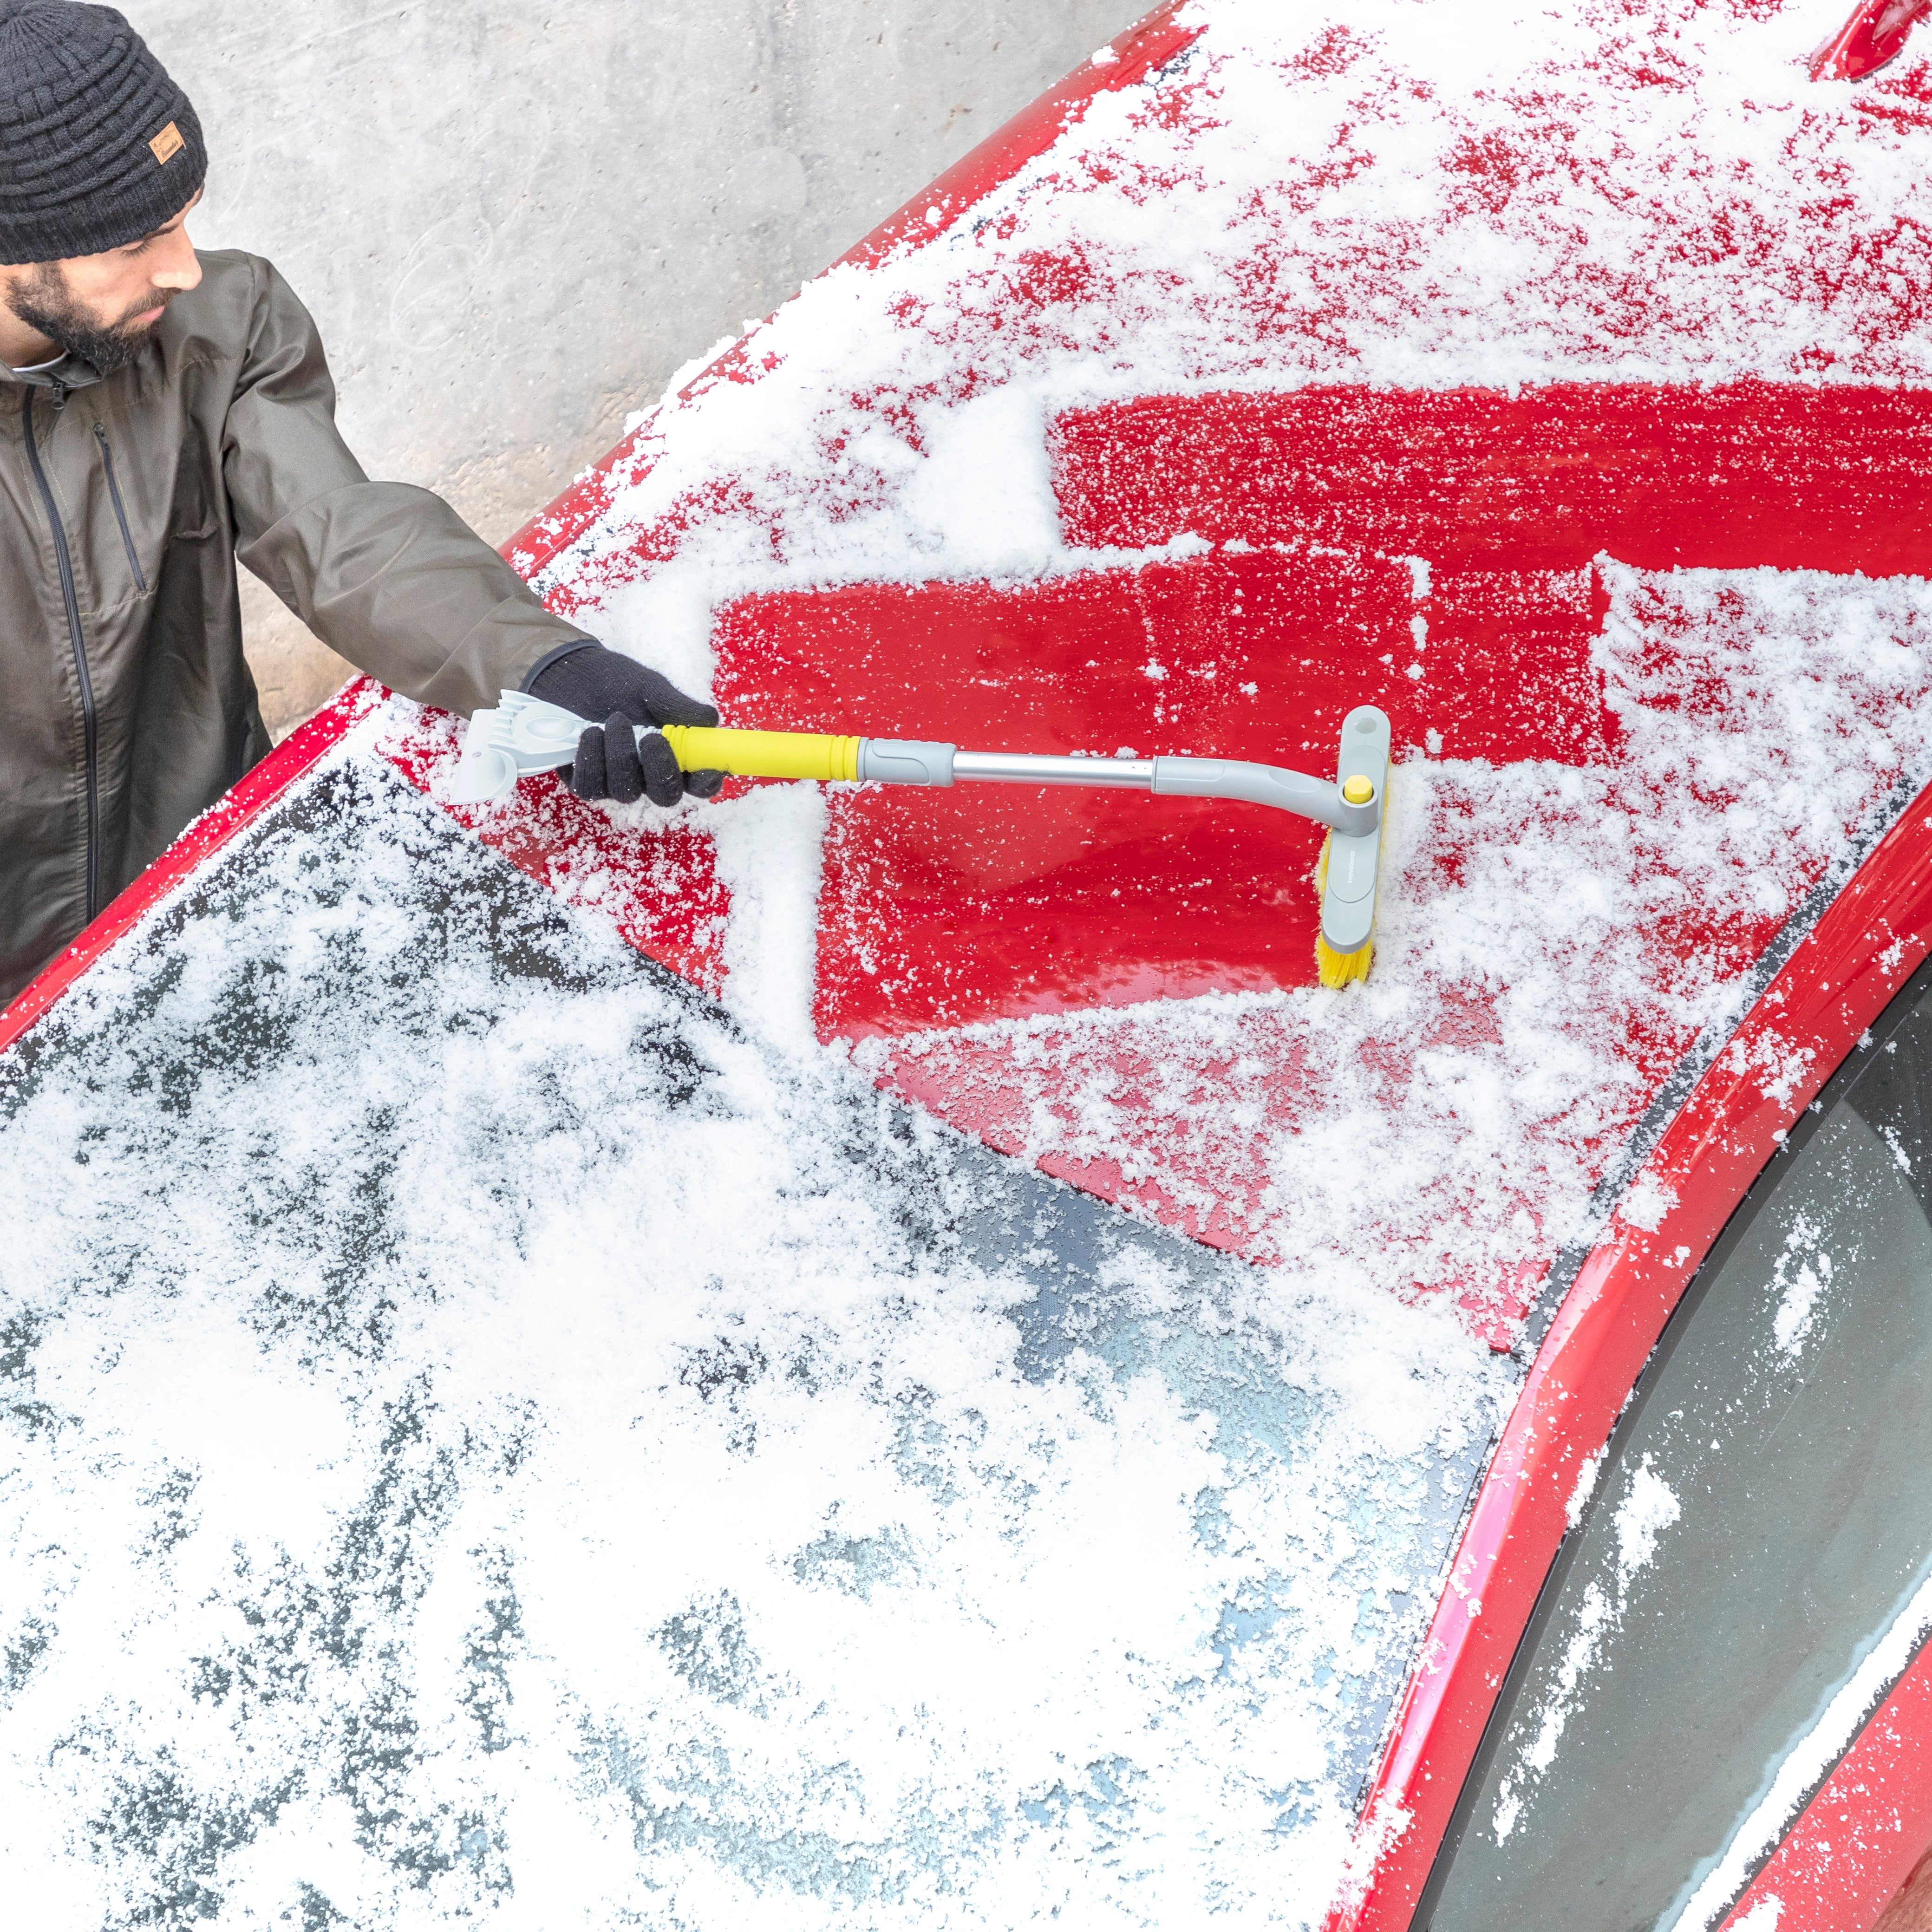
182	269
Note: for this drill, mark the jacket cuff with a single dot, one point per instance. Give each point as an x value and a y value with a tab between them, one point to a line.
549	657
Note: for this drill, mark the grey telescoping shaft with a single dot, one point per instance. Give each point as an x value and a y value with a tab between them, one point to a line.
912	762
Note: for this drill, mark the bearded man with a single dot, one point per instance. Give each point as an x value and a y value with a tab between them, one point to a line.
163	413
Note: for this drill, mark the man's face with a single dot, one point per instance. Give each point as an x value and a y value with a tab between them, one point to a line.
103	308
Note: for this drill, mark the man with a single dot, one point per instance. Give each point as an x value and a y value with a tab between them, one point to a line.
162	413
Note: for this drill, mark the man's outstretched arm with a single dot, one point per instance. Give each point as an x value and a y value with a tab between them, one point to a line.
387	575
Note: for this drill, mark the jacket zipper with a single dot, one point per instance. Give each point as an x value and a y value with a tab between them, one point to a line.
73	631
120	514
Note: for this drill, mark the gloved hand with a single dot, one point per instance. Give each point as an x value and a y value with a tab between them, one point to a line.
618	693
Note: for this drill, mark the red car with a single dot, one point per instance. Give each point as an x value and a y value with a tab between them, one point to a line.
891	1354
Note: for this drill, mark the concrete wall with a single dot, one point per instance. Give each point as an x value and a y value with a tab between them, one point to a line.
514	221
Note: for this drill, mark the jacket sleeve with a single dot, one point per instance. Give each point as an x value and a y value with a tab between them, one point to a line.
386	575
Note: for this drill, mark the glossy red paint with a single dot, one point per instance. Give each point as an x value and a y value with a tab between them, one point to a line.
943	908
1857	1841
1147	46
1872	38
1435	558
230	815
1797	476
1837	981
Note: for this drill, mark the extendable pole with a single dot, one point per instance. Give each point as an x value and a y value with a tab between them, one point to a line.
524	734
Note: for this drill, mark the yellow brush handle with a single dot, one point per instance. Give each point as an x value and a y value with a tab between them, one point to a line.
763	754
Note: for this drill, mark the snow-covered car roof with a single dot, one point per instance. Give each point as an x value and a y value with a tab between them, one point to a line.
842	1352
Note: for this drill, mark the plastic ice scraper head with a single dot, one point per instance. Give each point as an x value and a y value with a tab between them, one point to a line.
524	734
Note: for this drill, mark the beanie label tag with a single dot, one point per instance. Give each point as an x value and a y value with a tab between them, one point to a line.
167	143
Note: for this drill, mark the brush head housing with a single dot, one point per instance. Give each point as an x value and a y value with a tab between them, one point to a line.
1351	861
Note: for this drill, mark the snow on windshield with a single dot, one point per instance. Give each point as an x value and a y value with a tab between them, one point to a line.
487	1433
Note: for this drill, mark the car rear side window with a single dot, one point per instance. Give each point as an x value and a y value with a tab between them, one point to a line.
1760	1523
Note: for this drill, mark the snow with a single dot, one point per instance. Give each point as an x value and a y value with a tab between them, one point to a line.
1593	1622
1583	1490
1646	1202
490	1434
1803	1273
769	848
1648	1507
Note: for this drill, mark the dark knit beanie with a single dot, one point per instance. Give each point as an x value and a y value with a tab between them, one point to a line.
98	147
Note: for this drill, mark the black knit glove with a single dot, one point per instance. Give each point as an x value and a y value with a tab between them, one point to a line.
620	693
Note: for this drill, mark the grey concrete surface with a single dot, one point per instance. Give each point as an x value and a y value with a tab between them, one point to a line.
513	223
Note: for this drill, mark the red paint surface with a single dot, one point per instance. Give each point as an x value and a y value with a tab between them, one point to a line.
1872	38
944	908
1794	475
1857	1841
1150	44
1834	986
230	815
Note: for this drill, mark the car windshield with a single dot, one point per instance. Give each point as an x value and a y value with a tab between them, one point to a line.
480	1417
1750	1574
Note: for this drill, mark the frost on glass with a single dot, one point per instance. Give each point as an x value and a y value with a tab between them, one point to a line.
485	1432
1749	1575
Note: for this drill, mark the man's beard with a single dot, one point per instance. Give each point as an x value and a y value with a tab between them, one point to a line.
43	301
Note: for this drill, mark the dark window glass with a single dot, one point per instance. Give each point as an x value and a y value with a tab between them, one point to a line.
1763	1518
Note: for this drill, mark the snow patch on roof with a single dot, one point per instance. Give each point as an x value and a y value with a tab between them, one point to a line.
1552	940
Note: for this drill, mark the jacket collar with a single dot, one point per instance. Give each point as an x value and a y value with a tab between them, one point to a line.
69	372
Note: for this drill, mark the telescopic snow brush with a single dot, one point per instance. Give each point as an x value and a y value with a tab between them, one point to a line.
524	734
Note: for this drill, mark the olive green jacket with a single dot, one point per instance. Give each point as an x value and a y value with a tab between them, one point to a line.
125	706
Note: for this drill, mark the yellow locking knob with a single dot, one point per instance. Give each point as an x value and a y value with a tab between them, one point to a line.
1358	789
